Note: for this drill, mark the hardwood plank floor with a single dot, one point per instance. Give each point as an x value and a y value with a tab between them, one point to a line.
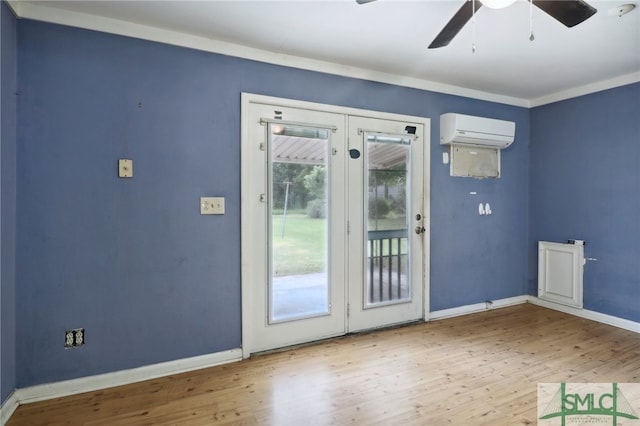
480	369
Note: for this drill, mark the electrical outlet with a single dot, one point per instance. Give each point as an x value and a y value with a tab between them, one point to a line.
69	339
74	338
80	337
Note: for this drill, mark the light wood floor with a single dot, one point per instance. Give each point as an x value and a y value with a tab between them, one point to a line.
480	369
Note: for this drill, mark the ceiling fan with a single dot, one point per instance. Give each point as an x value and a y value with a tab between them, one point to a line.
568	12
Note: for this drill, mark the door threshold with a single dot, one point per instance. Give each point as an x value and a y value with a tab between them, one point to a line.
335	338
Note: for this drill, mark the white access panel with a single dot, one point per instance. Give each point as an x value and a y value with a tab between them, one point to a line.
560	270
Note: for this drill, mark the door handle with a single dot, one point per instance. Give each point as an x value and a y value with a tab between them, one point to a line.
420	230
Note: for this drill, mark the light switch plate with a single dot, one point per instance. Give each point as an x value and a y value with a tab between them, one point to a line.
211	205
125	168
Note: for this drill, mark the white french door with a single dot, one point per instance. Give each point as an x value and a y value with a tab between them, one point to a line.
293	223
333	212
386	222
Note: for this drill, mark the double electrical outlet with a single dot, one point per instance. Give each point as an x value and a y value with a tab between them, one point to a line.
74	338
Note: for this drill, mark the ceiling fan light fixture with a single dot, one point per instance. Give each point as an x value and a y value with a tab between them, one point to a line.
497	4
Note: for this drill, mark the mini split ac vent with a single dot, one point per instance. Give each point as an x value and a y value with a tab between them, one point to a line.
475	143
463	129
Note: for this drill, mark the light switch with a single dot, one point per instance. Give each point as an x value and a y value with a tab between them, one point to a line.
125	168
211	205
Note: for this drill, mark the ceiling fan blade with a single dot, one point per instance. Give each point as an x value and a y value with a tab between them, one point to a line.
570	13
364	1
454	26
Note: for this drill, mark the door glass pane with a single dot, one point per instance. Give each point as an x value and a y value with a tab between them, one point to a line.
299	170
387	185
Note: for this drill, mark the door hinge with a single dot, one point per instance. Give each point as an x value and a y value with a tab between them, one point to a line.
348	310
348	227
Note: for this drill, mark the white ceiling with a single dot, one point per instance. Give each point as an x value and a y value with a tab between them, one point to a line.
387	41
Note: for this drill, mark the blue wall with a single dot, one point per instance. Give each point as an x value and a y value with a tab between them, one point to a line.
132	261
585	184
151	280
8	85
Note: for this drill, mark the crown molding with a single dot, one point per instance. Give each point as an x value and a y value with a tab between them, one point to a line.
39	12
586	89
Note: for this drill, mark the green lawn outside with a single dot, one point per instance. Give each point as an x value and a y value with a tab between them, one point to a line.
302	249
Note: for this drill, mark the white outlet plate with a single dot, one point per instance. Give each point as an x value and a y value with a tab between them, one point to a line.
125	168
211	205
445	158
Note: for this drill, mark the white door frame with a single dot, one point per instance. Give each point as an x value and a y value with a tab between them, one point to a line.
248	98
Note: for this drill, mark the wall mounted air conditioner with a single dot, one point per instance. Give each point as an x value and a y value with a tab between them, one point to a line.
460	129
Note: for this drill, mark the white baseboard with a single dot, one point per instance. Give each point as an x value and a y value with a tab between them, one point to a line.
477	307
582	313
8	407
585	313
124	377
